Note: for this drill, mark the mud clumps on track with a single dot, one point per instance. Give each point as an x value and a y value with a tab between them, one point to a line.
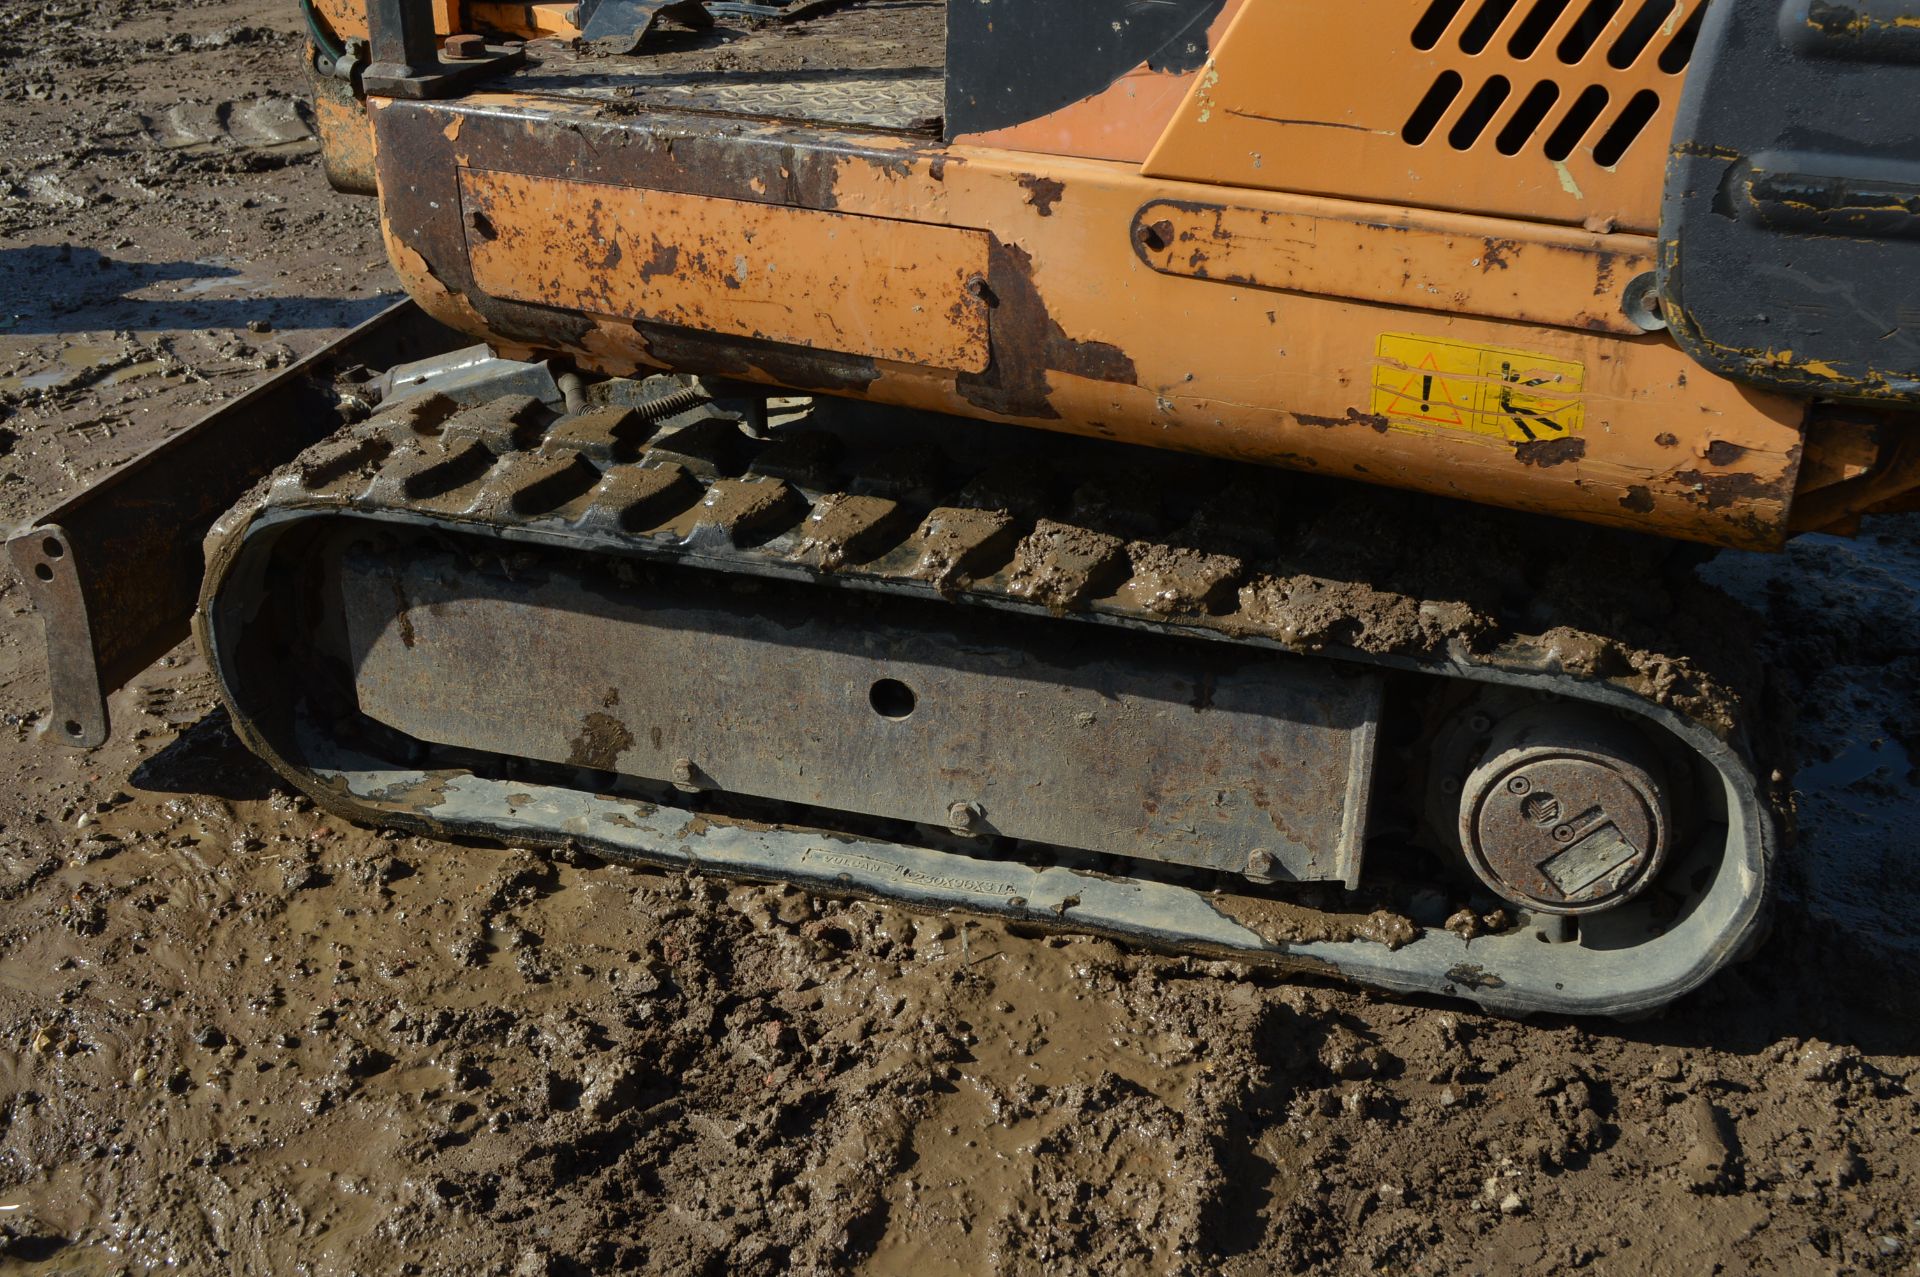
238	1036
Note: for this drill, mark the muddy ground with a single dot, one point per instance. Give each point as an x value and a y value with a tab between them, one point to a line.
238	1037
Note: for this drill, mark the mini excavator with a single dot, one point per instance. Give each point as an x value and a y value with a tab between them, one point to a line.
1223	474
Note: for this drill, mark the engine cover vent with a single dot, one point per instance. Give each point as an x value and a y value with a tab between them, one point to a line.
1554	110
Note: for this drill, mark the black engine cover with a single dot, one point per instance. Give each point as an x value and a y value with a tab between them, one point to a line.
1790	238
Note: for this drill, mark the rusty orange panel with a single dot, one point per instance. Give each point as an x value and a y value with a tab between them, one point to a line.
347	19
1496	110
1085	336
1477	266
895	290
346	134
529	21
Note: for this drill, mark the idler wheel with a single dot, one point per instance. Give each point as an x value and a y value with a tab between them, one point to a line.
1566	812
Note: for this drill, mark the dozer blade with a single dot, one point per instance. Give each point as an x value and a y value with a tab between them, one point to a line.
115	568
1084	686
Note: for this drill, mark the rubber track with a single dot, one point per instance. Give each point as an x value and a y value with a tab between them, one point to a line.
1110	535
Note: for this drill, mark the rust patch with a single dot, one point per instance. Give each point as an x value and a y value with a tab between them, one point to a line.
689	350
1667	439
1042	192
1639	499
1724	453
602	739
663	260
1026	343
1354	417
1718	491
1550	452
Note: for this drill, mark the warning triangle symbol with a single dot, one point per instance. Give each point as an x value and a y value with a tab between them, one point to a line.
1427	396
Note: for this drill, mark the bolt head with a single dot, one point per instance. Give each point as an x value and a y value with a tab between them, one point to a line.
1563	833
1518	785
963	815
683	771
1261	864
465	47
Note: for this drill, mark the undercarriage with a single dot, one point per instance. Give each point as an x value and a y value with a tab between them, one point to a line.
1077	684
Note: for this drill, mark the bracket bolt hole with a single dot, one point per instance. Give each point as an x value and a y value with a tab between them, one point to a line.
892	699
1155	237
43	571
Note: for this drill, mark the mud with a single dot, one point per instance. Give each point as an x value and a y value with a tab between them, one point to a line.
1062	565
236	1036
1283	922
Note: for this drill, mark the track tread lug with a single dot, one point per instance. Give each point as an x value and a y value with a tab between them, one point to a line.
736	510
432	469
849	528
532	483
603	435
1063	565
639	498
418	414
958	543
1170	580
506	424
327	464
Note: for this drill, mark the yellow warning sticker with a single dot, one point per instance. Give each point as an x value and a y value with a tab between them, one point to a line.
1424	383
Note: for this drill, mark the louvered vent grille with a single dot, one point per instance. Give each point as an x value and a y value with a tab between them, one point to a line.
1573	99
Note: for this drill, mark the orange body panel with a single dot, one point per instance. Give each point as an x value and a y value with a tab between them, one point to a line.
1110	345
528	21
896	291
1476	265
1274	271
347	19
1318	98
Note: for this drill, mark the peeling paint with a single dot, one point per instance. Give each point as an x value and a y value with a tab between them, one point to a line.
1567	183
